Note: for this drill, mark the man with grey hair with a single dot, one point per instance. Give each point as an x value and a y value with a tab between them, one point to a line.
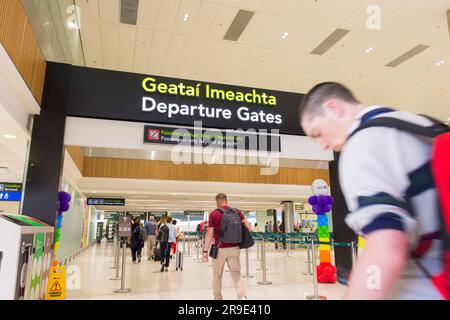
386	178
151	228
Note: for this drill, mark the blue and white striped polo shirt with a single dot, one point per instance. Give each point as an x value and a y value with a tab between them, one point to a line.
386	180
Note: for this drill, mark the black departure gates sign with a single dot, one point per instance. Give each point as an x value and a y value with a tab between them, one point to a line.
105	202
212	138
124	96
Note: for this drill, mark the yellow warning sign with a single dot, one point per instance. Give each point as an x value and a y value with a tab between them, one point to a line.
56	289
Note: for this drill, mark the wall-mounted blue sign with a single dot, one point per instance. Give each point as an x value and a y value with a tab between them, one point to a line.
10	196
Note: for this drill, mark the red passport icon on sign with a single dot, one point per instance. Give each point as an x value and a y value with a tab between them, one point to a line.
154	135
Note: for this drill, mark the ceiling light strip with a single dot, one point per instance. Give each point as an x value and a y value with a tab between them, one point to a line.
448	21
238	25
129	11
330	41
407	55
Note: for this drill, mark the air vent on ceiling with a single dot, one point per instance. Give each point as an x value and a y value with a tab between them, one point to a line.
239	24
407	55
129	11
330	41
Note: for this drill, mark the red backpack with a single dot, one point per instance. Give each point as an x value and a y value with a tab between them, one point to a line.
440	167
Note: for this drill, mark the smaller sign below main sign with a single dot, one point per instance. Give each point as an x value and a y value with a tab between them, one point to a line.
194	213
105	202
10	187
235	140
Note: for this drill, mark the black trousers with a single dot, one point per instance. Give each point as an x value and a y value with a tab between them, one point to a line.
165	248
136	252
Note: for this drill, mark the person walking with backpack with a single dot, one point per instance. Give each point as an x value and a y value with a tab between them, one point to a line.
225	227
394	171
137	241
166	237
151	228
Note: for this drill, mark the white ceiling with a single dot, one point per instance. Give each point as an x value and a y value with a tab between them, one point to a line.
164	44
163	195
166	195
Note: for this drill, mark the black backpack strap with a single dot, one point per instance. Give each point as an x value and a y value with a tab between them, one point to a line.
428	132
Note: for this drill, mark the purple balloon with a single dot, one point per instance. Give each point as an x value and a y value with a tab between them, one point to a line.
327	208
322	200
316	208
64	207
64	197
330	200
312	200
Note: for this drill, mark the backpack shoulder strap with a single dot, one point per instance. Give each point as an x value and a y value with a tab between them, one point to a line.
423	131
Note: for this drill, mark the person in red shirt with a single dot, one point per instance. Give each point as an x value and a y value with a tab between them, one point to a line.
228	253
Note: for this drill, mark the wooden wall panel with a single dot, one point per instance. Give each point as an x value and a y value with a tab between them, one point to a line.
164	170
77	155
19	41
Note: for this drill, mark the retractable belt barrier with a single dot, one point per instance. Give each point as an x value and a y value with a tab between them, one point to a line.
311	242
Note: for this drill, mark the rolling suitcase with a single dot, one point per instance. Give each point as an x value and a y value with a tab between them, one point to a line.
179	261
156	254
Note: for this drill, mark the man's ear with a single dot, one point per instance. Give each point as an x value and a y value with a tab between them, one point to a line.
335	106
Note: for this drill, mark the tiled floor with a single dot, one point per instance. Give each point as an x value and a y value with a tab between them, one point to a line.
195	281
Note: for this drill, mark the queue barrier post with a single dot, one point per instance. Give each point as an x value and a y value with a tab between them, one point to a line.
198	248
316	289
117	254
287	247
264	269
247	267
122	282
189	244
261	243
308	261
258	251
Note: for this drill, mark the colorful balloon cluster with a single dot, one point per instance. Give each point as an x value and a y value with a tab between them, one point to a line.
321	205
64	206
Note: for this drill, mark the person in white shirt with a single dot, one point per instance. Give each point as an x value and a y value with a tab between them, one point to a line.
166	241
386	180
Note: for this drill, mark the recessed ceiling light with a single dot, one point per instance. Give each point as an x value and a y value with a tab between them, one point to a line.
369	50
285	35
10	136
186	17
440	63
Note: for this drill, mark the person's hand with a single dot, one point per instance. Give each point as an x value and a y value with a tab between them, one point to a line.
205	257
